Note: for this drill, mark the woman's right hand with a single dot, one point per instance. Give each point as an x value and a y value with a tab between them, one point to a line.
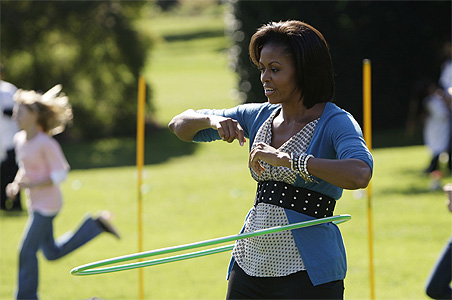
12	190
228	129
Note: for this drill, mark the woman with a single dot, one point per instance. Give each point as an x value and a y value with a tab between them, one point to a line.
42	167
303	151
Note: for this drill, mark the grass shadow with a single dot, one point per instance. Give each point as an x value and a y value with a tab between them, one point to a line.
398	137
414	190
160	145
13	213
194	35
417	183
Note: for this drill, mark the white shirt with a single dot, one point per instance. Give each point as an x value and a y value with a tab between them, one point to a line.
437	124
8	127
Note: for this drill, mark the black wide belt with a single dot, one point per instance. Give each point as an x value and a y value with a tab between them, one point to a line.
302	200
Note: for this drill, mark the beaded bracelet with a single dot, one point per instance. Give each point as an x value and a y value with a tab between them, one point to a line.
305	166
294	162
299	164
304	173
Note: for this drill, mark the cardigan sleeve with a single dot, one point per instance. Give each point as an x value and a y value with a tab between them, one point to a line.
337	136
348	140
250	117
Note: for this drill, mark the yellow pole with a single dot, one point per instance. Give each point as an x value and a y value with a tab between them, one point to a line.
367	113
140	163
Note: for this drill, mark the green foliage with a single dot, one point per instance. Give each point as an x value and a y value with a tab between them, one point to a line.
403	40
90	47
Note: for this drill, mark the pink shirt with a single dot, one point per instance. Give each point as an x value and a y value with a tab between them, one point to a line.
37	158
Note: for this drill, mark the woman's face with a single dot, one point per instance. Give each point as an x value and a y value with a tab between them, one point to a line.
25	117
278	76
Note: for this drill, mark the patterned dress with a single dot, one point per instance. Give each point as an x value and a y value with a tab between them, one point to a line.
276	254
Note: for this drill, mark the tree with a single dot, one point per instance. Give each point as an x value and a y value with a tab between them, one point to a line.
90	47
403	39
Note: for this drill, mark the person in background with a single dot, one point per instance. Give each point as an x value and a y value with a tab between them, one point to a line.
304	150
429	106
445	82
438	283
9	128
42	168
436	124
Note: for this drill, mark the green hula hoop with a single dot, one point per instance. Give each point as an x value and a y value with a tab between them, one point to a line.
95	267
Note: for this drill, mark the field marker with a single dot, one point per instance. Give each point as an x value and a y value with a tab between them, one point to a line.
140	163
367	115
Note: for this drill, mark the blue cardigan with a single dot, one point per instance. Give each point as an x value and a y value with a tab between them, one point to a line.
336	136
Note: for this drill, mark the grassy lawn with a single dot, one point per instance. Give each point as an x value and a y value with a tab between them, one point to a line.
194	192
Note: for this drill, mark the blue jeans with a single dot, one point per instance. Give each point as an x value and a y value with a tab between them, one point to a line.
438	285
38	234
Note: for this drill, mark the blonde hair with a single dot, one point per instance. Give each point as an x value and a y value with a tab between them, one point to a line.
53	108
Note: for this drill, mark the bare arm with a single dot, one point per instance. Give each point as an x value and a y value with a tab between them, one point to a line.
348	174
187	124
21	182
39	183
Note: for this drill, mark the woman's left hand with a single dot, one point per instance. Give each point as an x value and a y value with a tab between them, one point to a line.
269	155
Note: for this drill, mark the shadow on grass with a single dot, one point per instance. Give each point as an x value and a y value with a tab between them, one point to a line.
160	145
417	182
391	138
13	214
194	35
414	190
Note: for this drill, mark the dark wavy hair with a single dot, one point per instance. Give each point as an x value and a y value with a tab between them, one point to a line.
310	53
